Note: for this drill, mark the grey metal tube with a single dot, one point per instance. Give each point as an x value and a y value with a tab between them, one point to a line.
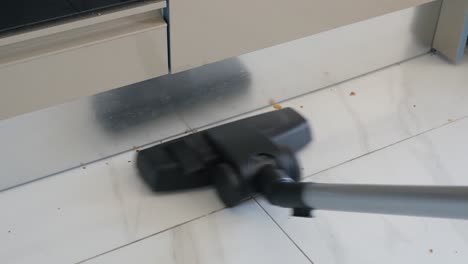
432	201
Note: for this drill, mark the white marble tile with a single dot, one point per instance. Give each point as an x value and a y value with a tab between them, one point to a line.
87	211
376	110
244	234
437	157
381	108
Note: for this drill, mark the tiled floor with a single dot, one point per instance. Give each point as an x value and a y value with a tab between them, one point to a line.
436	157
402	125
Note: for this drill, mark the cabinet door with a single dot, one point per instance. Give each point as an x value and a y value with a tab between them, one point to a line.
205	31
59	63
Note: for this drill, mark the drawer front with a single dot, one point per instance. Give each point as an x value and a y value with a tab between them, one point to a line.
205	31
40	72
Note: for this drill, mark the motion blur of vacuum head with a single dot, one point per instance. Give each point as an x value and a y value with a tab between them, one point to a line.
256	155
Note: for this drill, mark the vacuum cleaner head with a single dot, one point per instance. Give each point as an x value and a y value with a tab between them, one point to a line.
255	155
230	156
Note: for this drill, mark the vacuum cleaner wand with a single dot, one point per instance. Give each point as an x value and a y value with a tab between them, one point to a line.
256	155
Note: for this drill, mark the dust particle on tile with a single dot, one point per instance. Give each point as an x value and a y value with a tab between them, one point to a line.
9	231
58	208
431	251
352	93
414	105
129	161
84	168
301	106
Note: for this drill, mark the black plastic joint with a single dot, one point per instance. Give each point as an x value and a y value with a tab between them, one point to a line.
302	212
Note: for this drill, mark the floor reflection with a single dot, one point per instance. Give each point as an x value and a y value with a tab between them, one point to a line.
144	102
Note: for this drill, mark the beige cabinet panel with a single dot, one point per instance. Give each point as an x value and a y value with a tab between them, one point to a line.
205	31
452	29
40	72
83	21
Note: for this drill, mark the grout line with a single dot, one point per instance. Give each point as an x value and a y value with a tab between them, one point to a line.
149	236
162	231
284	232
398	63
386	146
181	117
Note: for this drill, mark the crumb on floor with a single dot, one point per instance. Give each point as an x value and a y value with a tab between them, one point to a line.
275	105
353	93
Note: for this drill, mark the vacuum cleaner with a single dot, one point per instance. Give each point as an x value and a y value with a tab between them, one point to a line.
257	155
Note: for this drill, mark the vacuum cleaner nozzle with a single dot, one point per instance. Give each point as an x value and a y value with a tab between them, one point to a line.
231	156
256	155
